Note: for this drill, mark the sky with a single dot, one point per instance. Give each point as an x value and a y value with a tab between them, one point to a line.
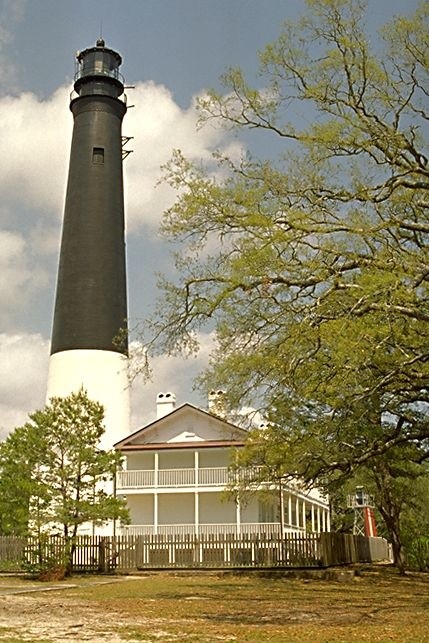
173	51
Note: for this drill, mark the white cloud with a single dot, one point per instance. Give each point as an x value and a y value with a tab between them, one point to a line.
23	371
35	140
159	126
20	278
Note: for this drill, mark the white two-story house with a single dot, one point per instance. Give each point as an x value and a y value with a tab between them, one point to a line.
176	472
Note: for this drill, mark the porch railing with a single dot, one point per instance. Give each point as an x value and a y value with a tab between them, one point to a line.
262	529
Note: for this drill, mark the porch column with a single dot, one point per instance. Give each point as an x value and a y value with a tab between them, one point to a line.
155	495
304	517
196	512
196	494
297	512
328	520
323	520
289	510
282	510
318	520
155	468
196	468
312	519
155	512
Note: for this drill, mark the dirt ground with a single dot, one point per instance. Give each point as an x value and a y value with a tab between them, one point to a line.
43	612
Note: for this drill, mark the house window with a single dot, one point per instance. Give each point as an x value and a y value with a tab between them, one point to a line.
98	155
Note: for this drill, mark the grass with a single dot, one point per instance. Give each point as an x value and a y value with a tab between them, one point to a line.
378	605
257	609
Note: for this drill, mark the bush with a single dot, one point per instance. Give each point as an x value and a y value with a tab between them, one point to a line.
45	559
417	552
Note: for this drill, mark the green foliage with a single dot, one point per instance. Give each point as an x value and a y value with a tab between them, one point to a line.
54	475
45	558
18	459
416	525
418	553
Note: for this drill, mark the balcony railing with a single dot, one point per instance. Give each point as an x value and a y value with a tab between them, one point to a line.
144	479
135	479
195	477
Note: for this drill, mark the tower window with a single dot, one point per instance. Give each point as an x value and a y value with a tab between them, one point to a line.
98	155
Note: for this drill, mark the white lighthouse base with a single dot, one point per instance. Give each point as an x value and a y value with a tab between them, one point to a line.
104	376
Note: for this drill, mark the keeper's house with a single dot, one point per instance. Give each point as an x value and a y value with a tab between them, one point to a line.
176	470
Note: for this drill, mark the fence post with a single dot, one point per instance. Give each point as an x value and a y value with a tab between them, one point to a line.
102	557
324	549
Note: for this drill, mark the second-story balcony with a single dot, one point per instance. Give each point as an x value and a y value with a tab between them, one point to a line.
216	478
173	478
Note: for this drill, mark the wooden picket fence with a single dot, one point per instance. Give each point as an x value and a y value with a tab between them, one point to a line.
11	553
127	553
227	550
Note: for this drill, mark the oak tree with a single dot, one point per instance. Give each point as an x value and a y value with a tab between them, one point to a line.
312	267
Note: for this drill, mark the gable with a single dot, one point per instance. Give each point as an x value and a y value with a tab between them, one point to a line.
186	424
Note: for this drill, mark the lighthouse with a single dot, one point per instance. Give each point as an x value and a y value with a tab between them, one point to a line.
89	346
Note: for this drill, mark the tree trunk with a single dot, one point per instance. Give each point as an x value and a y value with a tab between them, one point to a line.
390	507
70	548
397	548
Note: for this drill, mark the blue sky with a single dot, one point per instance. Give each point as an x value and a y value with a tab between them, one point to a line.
173	50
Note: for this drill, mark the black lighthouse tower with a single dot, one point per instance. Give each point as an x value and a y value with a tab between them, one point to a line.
89	339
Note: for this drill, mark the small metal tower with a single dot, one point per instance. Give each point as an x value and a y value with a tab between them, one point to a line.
364	519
